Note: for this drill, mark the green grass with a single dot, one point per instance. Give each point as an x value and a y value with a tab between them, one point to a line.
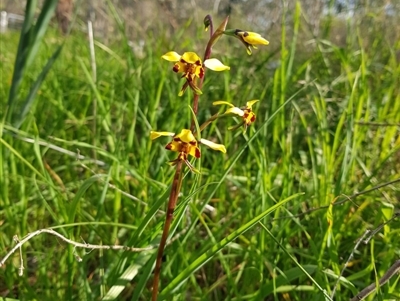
327	127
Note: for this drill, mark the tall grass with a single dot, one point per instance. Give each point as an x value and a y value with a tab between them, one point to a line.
327	128
32	33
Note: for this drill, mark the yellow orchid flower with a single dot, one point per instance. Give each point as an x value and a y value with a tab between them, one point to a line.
246	112
248	38
191	66
186	144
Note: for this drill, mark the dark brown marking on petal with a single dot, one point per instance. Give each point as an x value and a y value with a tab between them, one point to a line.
198	154
201	72
176	68
168	146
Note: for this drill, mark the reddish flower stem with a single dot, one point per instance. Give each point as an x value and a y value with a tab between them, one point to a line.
207	55
177	182
176	185
173	197
214	36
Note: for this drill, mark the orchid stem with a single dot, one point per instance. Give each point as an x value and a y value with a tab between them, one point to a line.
177	182
173	197
207	55
214	36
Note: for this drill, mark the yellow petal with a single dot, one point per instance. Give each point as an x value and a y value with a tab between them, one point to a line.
155	135
250	103
180	67
236	111
191	57
250	118
248	49
254	38
215	65
222	102
175	146
186	136
214	146
194	151
171	56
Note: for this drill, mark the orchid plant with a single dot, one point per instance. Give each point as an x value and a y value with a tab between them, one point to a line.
185	143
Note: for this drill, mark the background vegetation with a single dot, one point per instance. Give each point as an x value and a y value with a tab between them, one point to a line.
81	162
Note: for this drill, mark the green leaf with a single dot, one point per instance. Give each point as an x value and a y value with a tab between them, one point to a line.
209	254
30	40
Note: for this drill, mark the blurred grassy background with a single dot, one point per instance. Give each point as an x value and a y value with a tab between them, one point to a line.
339	135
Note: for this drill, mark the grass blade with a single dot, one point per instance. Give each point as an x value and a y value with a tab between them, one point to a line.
31	37
208	255
26	107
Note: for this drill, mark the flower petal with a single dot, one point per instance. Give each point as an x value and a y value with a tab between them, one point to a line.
250	103
171	56
191	167
175	146
254	38
195	89
179	67
214	146
235	127
155	135
235	110
183	88
248	49
215	65
194	151
249	118
191	58
222	102
186	136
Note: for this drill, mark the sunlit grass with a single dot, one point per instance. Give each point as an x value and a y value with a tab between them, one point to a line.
327	127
